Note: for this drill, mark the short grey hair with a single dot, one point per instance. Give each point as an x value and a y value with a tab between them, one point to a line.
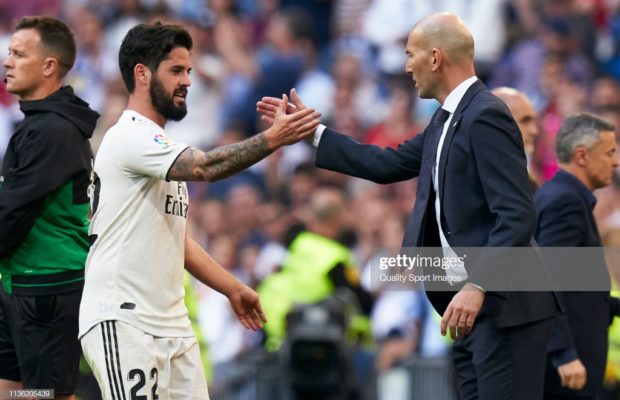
582	129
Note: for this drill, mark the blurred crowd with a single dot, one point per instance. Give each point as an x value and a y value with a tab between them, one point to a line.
346	59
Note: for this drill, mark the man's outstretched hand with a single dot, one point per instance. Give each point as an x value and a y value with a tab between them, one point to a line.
288	128
246	305
268	107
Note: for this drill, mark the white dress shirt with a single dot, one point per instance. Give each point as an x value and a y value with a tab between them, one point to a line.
450	104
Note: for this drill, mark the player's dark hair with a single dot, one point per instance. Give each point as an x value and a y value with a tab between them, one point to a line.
149	45
56	40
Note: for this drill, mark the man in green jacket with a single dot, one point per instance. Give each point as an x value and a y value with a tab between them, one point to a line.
44	206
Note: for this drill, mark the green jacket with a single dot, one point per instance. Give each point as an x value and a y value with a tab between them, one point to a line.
44	204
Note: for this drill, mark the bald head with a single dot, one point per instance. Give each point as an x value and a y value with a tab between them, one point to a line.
326	203
509	95
523	113
446	32
440	55
328	212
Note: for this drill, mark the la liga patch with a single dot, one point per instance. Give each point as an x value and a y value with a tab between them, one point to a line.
162	140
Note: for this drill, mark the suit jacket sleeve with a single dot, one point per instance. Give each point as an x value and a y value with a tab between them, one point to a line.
340	153
559	226
561	347
499	157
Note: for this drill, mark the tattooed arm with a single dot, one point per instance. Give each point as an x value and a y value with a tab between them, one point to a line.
195	165
219	163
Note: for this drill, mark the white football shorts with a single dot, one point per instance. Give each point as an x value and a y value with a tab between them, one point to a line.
130	364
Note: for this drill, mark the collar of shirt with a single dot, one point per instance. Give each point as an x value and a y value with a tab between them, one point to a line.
456	95
131	115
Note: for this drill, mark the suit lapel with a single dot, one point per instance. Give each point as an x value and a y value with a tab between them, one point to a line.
455	125
445	149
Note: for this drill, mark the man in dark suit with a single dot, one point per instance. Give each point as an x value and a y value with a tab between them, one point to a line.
472	191
577	352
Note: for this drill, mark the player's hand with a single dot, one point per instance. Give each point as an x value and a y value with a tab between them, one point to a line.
268	106
462	311
246	305
291	128
573	374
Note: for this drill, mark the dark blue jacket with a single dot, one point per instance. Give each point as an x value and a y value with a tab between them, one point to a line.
485	196
564	213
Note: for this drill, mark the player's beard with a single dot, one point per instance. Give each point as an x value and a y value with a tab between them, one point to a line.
164	103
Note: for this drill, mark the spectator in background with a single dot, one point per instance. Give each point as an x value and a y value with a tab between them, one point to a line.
232	38
303	183
611	63
399	125
577	351
374	220
211	220
261	13
318	263
355	92
124	15
92	68
344	116
605	99
245	200
276	222
525	116
315	83
18	9
347	18
582	17
386	26
274	68
563	97
320	12
522	67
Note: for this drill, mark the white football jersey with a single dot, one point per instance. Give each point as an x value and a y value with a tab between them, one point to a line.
134	270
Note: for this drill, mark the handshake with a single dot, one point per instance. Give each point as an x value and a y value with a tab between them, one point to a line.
288	122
